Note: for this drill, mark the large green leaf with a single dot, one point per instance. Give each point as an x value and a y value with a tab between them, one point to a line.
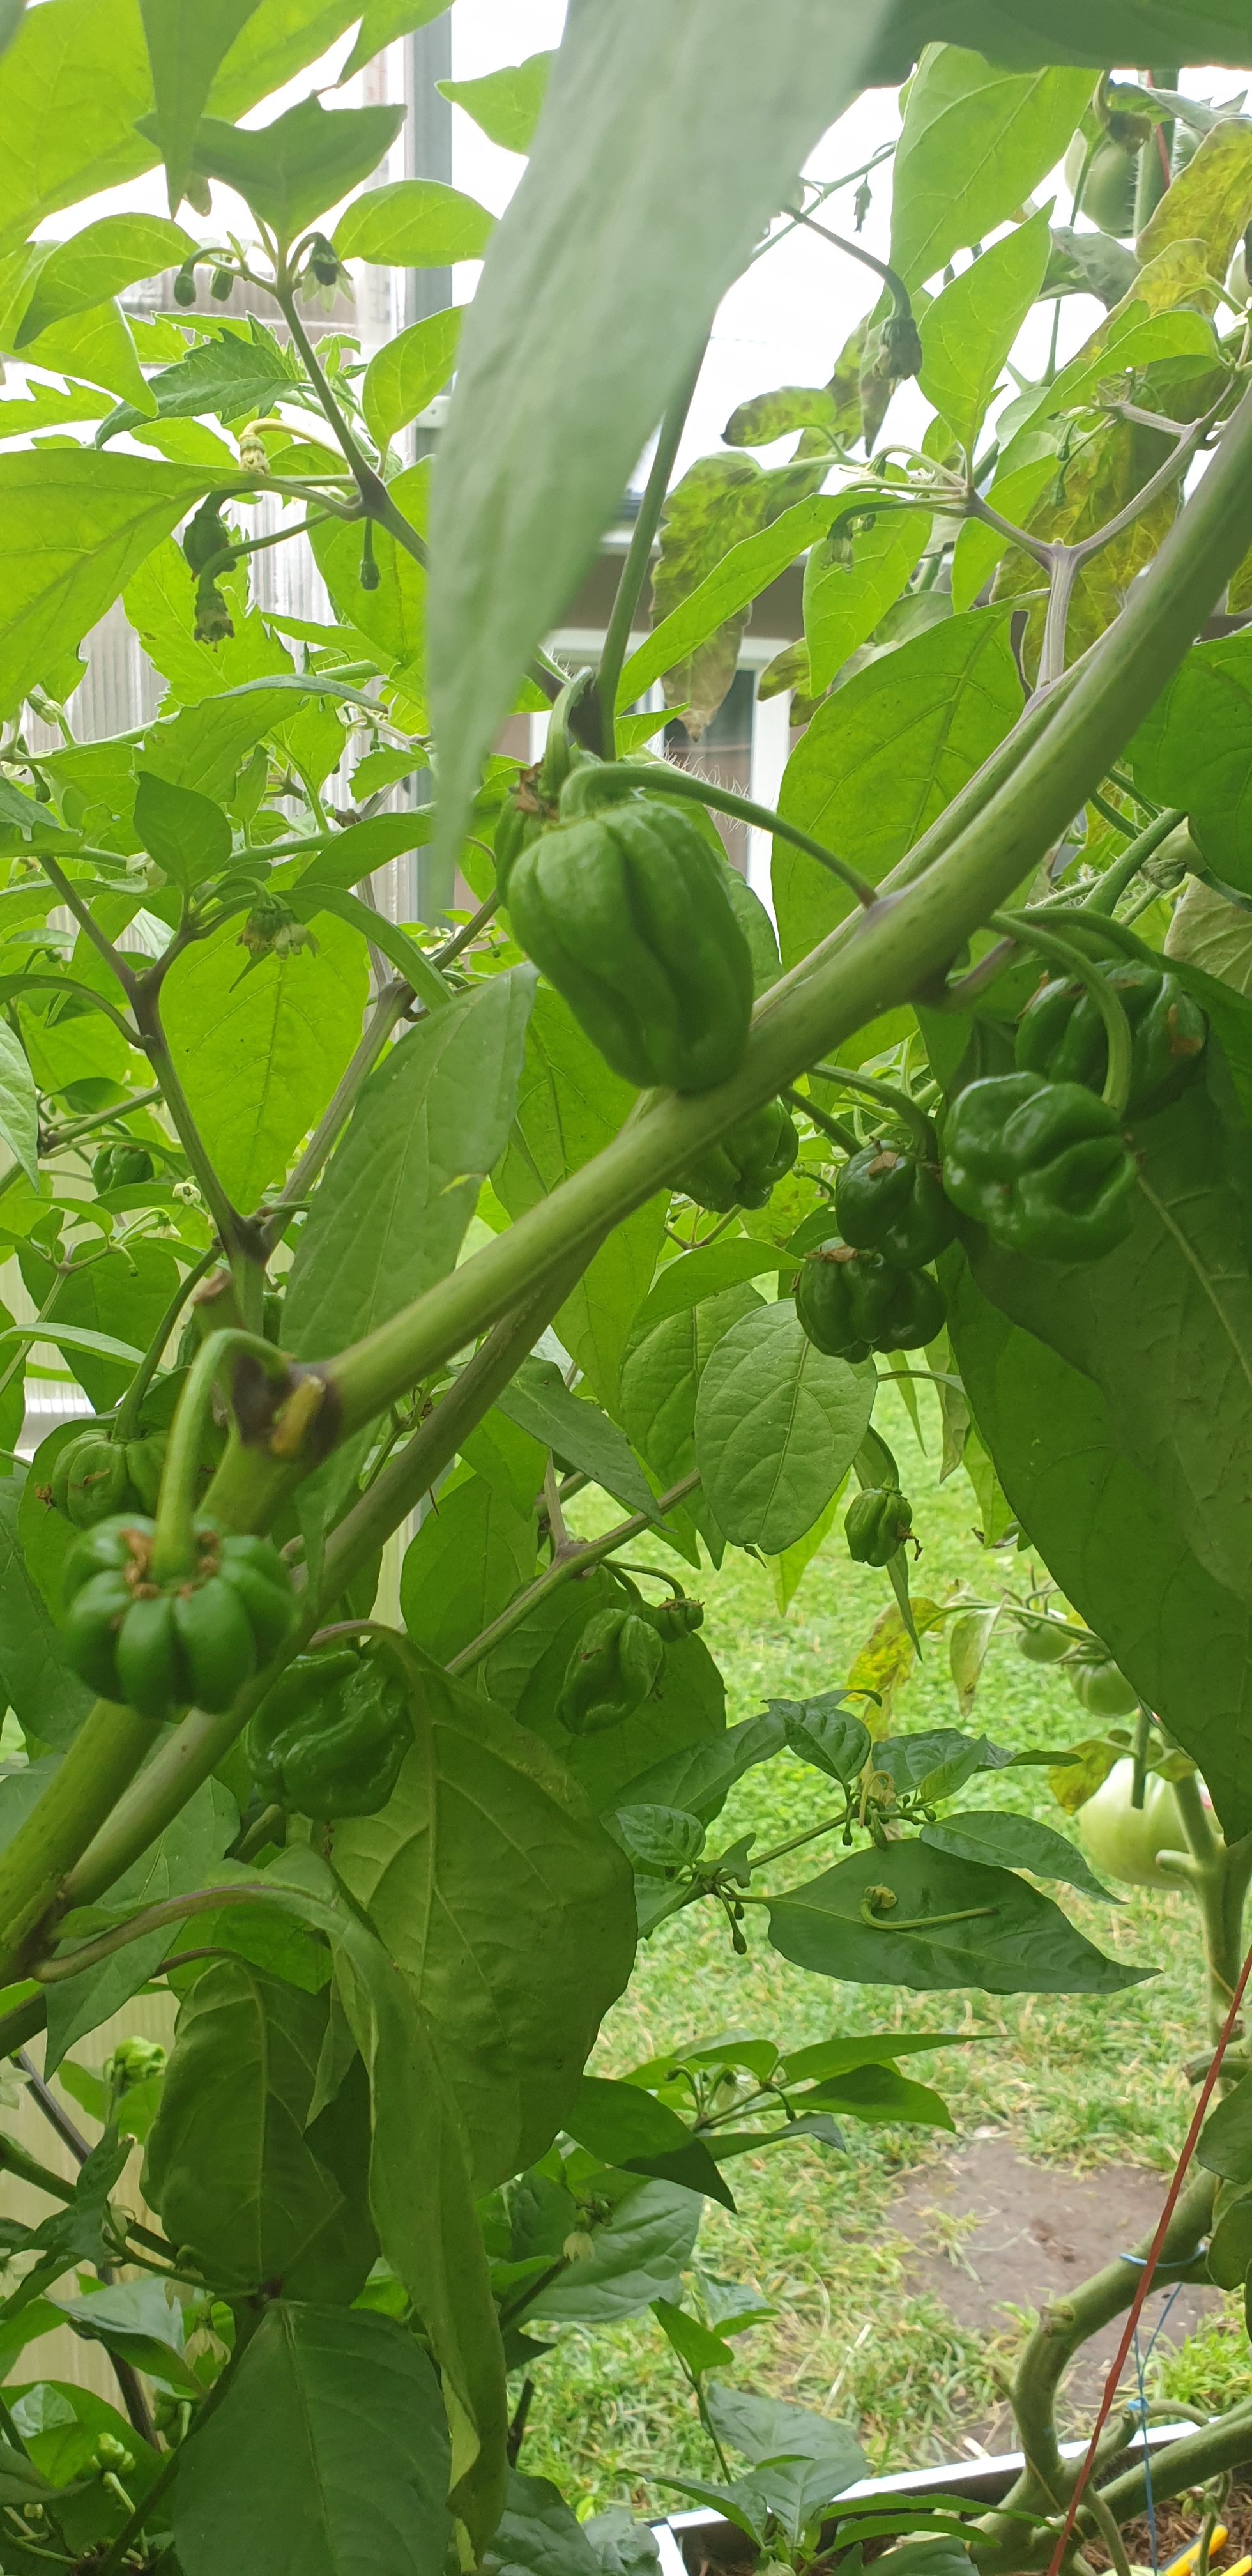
121	1294
47	1699
97	263
294	168
968	331
539	1401
260	1059
883	756
19	1105
666	141
1007	1938
330	2452
777	1427
505	103
415	223
508	1910
569	1106
1195	750
399	1192
236	2175
1106	1534
638	2255
73	528
473	1551
664	1361
183	55
526	1671
710	613
843	601
226	375
406	372
976	140
1015	1842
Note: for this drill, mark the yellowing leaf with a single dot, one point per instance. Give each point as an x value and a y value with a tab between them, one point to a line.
1210	201
886	1659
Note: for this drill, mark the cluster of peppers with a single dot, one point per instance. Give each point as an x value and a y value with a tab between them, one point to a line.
160	1643
866	1288
619	1658
1099	1685
1037	1156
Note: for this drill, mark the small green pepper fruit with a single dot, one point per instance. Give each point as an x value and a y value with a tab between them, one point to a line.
616	1663
672	1619
1060	1034
877	1523
1045	1640
1102	1689
193	1641
90	1480
892	1202
626	914
1108	196
851	1303
744	1167
329	1740
1043	1165
520	822
145	1460
119	1167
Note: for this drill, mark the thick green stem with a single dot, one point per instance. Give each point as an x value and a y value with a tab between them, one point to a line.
639	556
1109	888
898	1102
173	1544
575	1558
101	1762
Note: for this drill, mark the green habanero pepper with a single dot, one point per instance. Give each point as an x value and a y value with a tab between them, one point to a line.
1100	1686
672	1619
193	1641
888	1200
1044	1640
1043	1165
119	1167
626	914
851	1303
330	1739
520	822
616	1663
877	1522
743	1168
1060	1034
90	1480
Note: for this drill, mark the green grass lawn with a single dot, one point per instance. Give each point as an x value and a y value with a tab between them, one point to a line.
1071	2081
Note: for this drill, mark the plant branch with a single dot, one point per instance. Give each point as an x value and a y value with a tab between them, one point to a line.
68	894
1107	890
567	1562
1072	962
390	1006
637	565
129	1408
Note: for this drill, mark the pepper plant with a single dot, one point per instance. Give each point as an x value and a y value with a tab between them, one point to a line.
348	1230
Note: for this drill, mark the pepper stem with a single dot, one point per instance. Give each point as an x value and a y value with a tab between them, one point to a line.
173	1545
1116	1090
613	779
915	1119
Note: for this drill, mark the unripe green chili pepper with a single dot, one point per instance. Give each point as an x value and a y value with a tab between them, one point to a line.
890	1201
1045	1640
1042	1165
876	1524
626	914
851	1303
194	1639
672	1619
329	1740
519	823
1108	195
1102	1689
743	1168
90	1480
1061	1034
616	1663
118	1167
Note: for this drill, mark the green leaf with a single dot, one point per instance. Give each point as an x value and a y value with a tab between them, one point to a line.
791	1565
777	1426
769	416
638	2255
47	1699
1194	750
968	331
135	2321
665	146
770	2428
1018	1941
507	1909
95	264
260	1059
19	1105
230	2165
471	1554
294	168
407	372
569	1107
401	1188
1210	200
73	528
698	1778
539	1401
976	140
1016	1842
738	579
628	2127
415	223
527	1669
382	22
331	2438
1225	2142
662	1369
880	2094
393	615
184	55
844	602
884	756
1208	932
538	2535
312	895
226	375
185	833
694	2344
505	104
182	1857
703	1274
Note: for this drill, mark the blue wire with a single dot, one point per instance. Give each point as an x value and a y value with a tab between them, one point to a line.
1140	2408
